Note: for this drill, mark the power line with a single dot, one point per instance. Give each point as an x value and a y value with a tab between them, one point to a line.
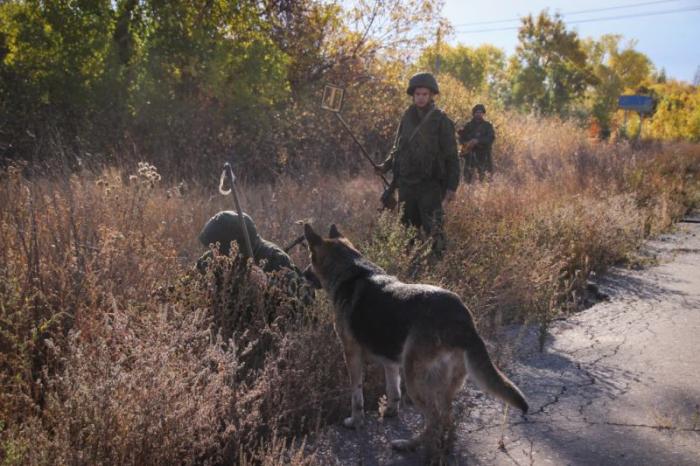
570	13
588	20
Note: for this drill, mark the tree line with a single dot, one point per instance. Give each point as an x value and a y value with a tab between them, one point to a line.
555	72
186	84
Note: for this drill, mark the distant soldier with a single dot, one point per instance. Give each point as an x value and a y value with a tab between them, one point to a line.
477	137
424	160
225	227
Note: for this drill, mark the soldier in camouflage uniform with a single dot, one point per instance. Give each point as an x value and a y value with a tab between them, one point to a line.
225	227
424	160
477	137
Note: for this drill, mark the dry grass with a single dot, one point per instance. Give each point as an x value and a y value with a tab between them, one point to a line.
112	351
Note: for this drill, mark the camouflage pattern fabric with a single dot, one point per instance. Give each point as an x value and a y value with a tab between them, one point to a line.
273	256
425	167
478	159
224	228
422	208
432	153
294	285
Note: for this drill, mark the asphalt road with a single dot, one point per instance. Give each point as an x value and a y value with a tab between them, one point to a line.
617	384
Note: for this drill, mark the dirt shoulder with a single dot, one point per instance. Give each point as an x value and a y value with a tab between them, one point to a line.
618	383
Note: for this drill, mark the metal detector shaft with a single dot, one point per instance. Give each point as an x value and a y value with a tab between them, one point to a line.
228	171
364	152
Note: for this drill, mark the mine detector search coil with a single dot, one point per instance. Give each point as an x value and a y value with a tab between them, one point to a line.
228	173
333	102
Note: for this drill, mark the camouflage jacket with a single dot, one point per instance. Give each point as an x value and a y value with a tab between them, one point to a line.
225	227
275	258
481	131
430	155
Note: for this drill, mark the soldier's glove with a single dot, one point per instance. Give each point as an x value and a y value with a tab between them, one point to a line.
388	199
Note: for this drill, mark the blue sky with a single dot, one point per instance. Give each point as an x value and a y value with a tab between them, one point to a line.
671	40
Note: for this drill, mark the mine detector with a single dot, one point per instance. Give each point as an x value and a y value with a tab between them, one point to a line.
332	101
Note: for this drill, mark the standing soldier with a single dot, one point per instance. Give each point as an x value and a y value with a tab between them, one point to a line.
477	137
424	160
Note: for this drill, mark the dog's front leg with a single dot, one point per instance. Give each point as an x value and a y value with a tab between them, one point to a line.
353	359
393	389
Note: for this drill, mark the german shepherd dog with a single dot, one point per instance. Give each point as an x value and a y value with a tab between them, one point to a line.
423	330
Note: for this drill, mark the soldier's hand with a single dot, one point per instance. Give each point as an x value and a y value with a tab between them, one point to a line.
450	196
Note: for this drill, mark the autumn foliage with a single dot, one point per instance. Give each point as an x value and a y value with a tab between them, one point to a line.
115	119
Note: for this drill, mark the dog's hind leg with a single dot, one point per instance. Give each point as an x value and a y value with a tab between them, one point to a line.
453	373
417	387
393	389
353	359
433	378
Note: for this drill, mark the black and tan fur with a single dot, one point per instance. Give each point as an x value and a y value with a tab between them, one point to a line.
423	330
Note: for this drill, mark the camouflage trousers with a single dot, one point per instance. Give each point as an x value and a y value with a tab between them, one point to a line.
295	286
477	163
421	206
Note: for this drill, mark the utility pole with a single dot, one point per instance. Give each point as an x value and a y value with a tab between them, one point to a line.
437	49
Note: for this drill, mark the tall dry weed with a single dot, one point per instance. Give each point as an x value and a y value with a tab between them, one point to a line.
113	350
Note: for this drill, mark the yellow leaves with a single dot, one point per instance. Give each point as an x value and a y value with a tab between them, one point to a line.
677	113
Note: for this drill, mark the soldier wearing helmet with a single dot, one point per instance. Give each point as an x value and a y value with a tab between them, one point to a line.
424	160
225	227
477	137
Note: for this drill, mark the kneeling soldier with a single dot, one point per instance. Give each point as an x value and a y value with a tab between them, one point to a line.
225	227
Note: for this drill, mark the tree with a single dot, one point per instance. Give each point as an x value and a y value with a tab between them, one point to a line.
478	68
677	114
89	71
343	42
661	77
631	66
53	59
616	70
548	71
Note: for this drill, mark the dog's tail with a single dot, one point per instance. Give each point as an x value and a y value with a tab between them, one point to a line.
489	378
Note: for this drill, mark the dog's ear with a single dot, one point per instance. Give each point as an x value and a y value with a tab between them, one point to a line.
335	233
311	236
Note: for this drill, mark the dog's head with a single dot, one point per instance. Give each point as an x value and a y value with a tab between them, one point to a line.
329	256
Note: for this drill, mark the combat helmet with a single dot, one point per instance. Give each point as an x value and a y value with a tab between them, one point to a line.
422	80
479	108
225	227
